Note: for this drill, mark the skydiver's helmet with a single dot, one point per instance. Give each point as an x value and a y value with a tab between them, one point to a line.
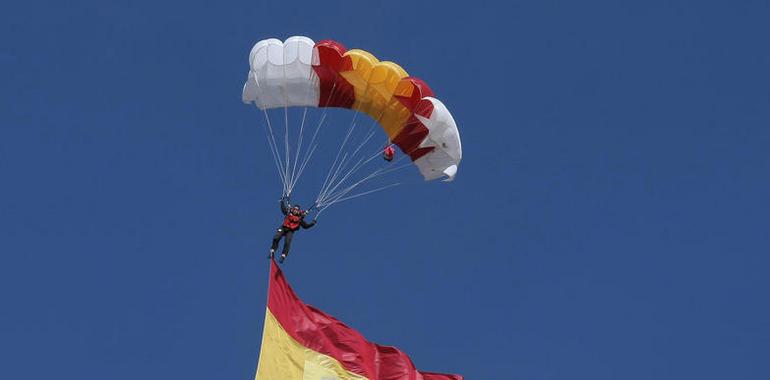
296	210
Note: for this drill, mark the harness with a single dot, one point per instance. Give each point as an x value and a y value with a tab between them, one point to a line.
292	221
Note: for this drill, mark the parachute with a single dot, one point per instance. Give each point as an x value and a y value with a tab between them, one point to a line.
302	73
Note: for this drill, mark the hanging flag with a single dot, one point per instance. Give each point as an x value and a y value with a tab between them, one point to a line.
300	342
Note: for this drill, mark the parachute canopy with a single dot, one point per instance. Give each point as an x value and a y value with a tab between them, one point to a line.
301	72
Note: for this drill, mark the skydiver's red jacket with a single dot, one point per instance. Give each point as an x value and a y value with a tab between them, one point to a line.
294	222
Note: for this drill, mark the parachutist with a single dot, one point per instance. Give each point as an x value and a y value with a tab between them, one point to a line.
295	218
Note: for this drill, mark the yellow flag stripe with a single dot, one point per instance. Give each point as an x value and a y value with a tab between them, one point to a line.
283	358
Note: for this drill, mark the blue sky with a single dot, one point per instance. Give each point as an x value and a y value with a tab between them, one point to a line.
609	220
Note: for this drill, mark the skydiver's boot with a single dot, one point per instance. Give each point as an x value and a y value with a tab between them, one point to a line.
272	253
283	257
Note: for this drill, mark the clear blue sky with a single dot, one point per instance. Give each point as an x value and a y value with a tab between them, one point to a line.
609	221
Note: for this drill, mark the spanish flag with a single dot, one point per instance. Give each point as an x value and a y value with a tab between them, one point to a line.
300	342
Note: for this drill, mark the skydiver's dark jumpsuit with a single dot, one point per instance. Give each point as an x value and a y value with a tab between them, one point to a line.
290	224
